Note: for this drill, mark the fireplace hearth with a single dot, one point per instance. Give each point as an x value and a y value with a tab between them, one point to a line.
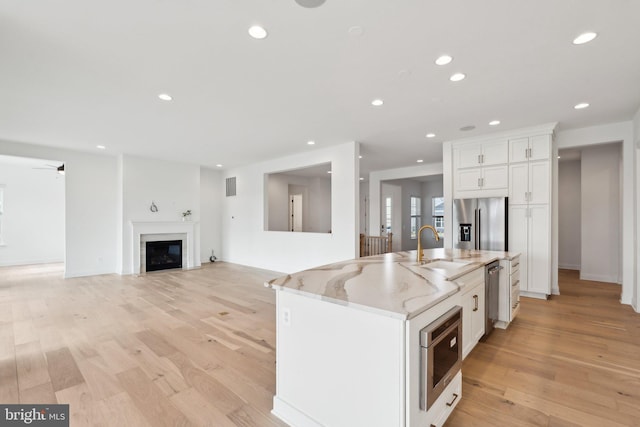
163	255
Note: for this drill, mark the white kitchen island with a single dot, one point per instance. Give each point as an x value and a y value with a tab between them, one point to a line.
348	349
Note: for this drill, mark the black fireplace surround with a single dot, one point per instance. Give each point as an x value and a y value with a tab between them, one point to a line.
164	255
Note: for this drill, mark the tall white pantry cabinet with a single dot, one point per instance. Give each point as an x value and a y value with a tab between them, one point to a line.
525	156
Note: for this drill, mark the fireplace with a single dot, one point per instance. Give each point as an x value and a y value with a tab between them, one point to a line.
154	231
163	255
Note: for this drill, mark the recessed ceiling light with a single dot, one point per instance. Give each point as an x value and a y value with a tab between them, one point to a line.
558	156
581	105
361	179
218	165
310	3
328	171
165	97
377	102
494	122
360	156
430	135
101	147
257	32
467	128
444	60
457	77
585	38
311	143
419	161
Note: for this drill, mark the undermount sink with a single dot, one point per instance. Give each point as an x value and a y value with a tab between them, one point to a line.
446	266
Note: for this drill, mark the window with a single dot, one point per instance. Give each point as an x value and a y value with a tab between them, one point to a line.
1	212
387	215
416	216
438	214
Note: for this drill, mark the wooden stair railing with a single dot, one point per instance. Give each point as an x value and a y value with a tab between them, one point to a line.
375	245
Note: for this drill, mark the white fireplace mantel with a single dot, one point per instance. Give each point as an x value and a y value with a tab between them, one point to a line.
191	246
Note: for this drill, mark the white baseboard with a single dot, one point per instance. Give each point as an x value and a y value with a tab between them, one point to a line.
533	295
569	266
599	278
291	415
31	262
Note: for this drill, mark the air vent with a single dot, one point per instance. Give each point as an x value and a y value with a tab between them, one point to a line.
231	186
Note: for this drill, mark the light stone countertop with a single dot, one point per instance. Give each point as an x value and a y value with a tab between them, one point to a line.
392	284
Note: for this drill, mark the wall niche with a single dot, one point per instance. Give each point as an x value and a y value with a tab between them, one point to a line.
299	200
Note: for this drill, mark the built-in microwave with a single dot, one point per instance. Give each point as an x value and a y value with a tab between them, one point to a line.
440	355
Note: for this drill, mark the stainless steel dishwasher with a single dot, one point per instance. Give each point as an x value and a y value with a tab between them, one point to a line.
491	292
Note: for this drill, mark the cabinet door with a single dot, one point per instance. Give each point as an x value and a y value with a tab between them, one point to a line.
467	156
467	179
518	238
518	149
518	184
495	152
539	182
539	250
495	177
468	304
540	147
478	313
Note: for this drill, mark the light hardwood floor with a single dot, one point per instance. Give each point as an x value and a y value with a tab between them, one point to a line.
571	361
197	348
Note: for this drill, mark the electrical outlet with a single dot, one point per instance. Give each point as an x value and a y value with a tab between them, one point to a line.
286	316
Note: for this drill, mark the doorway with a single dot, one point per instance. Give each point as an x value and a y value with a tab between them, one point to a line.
32	211
295	212
590	212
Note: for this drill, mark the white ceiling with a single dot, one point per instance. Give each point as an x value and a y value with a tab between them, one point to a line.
77	74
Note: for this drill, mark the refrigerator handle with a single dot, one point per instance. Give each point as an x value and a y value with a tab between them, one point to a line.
478	247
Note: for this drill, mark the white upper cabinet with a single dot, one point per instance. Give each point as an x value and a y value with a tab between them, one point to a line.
481	169
530	148
481	154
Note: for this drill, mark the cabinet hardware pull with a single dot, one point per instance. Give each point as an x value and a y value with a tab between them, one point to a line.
479	182
475	302
455	396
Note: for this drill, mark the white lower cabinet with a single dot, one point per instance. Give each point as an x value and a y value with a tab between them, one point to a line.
447	402
509	292
473	309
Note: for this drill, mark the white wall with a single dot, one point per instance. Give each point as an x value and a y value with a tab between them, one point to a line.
601	251
569	214
173	187
90	206
211	194
615	132
636	143
33	220
246	242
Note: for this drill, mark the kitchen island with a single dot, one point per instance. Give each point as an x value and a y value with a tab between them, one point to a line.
348	337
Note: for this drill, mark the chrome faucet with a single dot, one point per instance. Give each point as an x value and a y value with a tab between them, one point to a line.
435	234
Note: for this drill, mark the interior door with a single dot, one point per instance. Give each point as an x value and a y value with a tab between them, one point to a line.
295	212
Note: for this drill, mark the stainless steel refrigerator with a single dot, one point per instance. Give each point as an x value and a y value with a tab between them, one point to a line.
480	224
